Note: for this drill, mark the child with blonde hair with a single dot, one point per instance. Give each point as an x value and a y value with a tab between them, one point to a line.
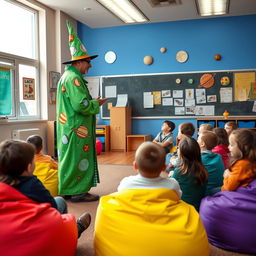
205	127
230	126
242	146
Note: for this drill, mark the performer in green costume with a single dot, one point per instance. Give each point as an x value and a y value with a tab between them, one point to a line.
76	110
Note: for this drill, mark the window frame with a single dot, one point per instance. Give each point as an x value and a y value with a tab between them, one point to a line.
20	60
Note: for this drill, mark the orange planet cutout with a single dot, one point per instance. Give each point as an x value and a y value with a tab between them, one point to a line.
206	81
63	118
81	132
71	38
76	82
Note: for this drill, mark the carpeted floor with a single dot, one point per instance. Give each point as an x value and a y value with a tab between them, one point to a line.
110	176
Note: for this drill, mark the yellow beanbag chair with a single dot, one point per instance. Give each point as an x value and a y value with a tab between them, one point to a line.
46	170
148	222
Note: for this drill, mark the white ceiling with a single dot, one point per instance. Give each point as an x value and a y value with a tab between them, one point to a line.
99	17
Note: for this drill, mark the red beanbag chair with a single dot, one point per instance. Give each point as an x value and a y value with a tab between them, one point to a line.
32	229
98	146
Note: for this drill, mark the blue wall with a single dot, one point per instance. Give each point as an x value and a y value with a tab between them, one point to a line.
232	37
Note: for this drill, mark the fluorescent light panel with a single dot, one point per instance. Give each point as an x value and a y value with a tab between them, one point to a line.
124	10
212	7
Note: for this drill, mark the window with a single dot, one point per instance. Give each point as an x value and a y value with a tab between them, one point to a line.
19	62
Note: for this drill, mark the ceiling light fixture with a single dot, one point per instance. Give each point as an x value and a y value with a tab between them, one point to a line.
212	7
125	10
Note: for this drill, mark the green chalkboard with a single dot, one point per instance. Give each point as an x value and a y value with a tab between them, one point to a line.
136	85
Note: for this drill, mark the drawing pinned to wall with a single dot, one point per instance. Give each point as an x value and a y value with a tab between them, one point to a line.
178	102
148	100
157	98
200	96
242	85
189	94
167	102
252	94
190	110
166	93
28	88
177	94
226	95
179	111
211	98
54	78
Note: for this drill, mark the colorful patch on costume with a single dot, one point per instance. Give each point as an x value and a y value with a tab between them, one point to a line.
81	132
65	139
72	50
86	148
63	89
76	82
63	118
78	178
71	38
82	48
85	102
83	165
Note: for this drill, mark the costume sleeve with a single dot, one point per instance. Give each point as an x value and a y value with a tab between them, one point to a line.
233	181
80	98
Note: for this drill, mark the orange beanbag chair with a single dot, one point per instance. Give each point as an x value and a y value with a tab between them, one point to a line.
148	222
32	229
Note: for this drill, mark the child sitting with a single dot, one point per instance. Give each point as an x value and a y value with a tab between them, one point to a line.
46	169
16	169
230	126
222	145
172	160
213	163
191	173
147	213
205	127
242	146
149	162
165	137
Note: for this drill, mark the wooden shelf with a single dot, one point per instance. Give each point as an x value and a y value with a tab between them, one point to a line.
134	141
242	122
104	130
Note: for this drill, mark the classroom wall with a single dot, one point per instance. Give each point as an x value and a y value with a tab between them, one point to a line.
232	37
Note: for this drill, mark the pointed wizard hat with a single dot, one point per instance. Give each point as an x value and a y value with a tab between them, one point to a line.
77	49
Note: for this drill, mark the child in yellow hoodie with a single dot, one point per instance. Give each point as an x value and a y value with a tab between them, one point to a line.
46	168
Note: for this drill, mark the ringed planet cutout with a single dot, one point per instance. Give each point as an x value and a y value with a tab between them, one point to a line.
81	131
207	80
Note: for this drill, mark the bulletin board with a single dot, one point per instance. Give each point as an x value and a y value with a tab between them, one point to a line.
214	104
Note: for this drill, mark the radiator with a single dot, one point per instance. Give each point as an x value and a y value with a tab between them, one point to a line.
23	134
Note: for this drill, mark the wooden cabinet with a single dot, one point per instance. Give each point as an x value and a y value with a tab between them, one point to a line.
120	126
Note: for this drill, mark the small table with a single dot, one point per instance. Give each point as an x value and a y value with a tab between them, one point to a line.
134	141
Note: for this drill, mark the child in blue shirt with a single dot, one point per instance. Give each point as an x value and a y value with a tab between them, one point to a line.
165	137
213	163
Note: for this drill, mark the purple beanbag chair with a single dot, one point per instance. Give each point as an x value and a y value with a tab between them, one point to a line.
229	218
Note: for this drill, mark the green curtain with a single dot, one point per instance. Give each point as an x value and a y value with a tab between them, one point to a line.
5	91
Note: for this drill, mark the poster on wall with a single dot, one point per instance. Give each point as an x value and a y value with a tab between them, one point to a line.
28	88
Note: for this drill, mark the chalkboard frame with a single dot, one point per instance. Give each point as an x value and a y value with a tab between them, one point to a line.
221	107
